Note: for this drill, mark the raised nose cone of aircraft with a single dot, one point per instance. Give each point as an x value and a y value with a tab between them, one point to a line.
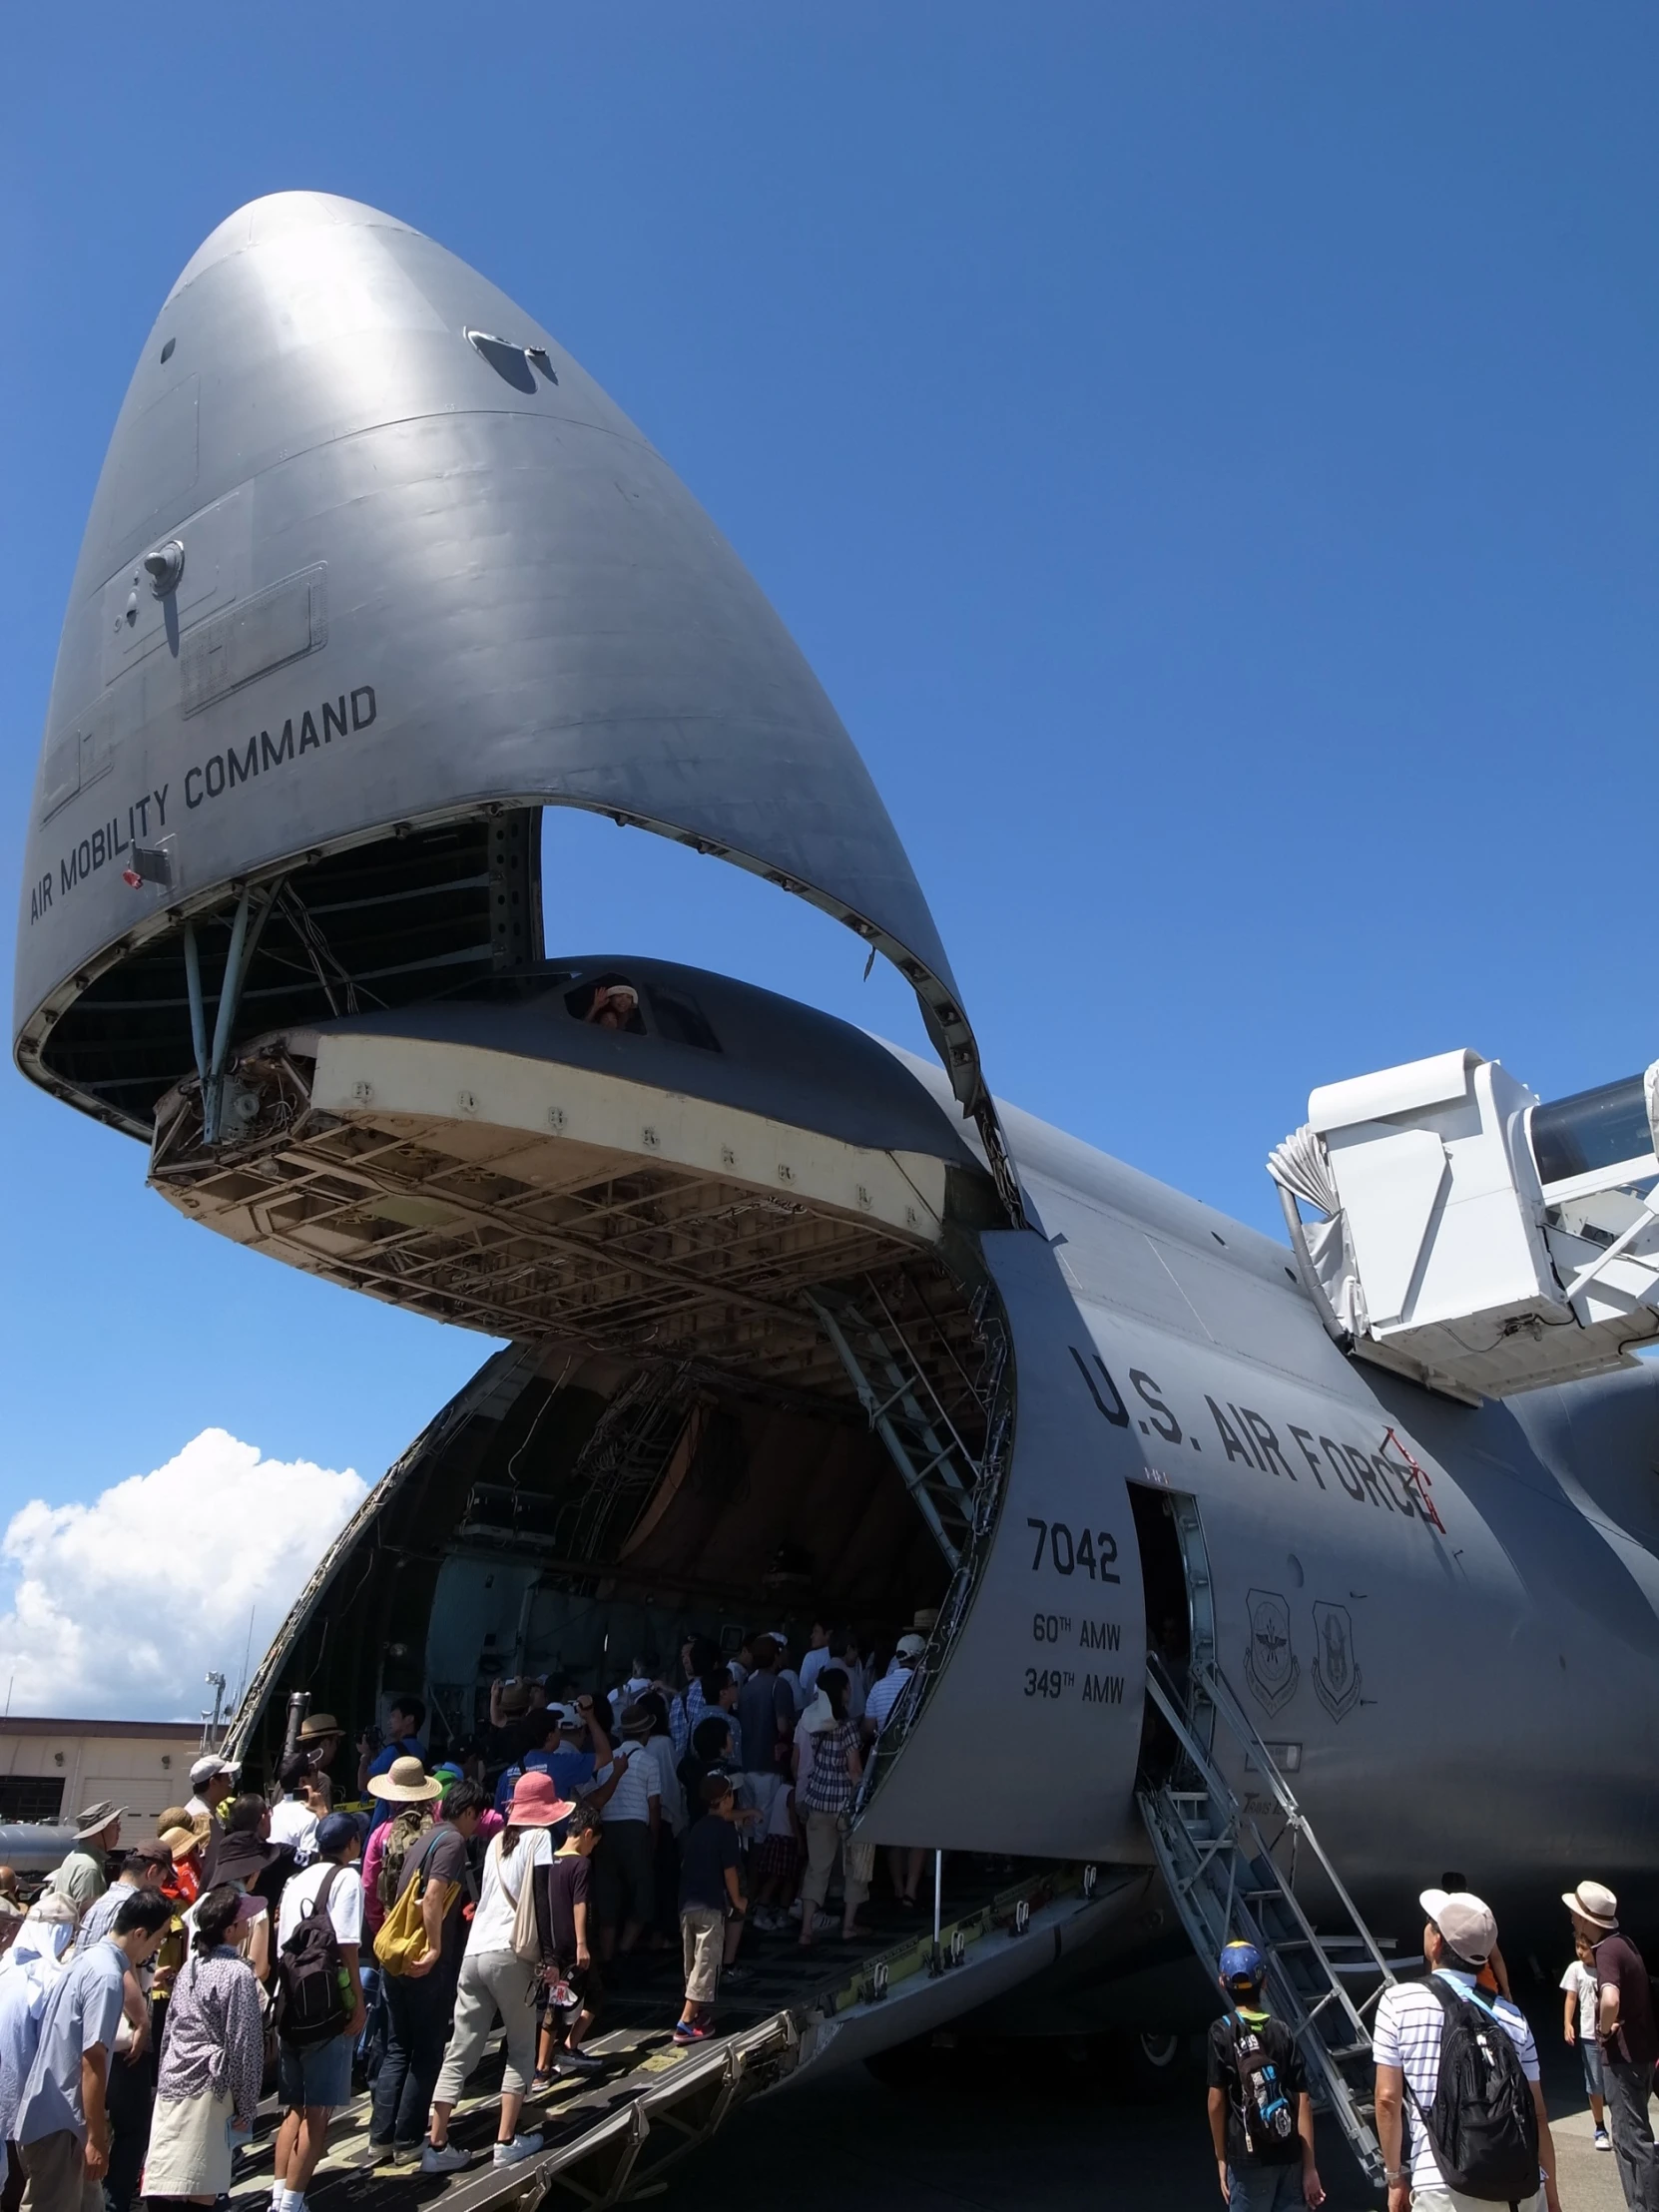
374	572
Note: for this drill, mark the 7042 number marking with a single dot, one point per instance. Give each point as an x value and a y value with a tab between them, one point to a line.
1093	1553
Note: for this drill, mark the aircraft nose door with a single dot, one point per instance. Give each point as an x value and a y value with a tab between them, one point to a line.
1029	1740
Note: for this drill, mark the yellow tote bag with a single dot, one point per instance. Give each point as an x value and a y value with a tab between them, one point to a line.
401	1937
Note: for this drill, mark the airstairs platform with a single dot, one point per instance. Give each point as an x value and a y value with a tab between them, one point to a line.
1232	1873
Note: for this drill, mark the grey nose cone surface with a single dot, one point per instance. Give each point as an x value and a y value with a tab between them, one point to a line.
425	570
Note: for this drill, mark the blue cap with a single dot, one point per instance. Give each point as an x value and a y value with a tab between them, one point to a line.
337	1834
1241	1963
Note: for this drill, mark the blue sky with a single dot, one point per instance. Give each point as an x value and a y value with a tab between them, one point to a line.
1207	452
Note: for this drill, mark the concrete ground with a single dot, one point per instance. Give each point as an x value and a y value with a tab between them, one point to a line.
1020	2133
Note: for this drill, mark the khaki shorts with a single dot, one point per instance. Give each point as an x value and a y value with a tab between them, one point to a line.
703	1938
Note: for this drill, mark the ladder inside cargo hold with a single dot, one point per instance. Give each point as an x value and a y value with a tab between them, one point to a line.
619	1468
938	1468
1228	1886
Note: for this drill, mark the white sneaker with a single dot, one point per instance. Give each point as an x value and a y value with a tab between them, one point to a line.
521	2146
449	2160
1603	2140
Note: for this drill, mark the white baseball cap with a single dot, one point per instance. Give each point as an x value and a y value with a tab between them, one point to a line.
1465	1921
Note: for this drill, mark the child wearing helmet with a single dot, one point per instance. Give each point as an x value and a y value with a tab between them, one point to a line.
1261	2116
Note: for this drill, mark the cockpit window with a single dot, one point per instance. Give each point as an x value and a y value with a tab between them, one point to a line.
607	1002
679	1019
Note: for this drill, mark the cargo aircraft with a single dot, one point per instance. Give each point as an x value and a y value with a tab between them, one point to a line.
1264	1584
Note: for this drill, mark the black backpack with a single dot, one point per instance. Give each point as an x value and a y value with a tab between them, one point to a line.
312	2003
1482	2126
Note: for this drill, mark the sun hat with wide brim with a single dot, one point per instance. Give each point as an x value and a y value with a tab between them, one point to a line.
181	1841
243	1857
316	1725
95	1818
536	1802
1593	1901
406	1782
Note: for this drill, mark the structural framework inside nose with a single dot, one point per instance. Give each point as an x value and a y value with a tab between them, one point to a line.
374	572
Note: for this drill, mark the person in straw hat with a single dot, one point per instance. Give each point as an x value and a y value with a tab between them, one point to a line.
418	2000
1628	2037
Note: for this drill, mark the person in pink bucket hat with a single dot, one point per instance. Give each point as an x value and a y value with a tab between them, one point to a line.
497	1976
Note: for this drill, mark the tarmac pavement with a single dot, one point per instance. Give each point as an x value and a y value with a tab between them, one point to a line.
1031	2131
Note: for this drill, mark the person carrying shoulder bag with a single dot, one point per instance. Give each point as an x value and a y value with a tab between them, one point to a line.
419	1948
499	1976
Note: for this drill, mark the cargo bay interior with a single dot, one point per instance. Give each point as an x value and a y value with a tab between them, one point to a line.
584	1513
745	1389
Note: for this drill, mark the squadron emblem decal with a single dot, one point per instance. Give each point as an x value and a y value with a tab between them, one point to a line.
1336	1672
1271	1667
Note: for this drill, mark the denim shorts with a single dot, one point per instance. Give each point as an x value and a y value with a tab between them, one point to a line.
1589	2053
1265	2188
314	2073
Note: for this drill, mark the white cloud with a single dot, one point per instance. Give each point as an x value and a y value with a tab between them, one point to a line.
122	1607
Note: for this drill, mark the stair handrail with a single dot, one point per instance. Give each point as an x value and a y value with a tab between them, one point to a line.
1226	1703
1221	1790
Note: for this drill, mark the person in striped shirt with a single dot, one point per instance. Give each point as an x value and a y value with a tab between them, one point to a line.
1459	1938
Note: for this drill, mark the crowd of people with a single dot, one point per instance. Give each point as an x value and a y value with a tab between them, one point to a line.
150	1991
1460	2111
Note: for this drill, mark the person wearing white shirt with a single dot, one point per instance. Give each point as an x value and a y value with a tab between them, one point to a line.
292	1822
813	1664
626	1866
1582	2024
787	1674
497	1977
1461	1936
904	1861
314	2079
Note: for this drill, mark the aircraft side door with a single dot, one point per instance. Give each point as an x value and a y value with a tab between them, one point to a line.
1029	1739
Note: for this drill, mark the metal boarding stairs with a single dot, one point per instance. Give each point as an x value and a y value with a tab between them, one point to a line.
1227	1886
938	1468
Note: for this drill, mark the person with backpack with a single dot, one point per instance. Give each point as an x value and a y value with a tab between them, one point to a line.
1457	2078
1261	2115
500	1974
419	1948
320	2002
1628	2038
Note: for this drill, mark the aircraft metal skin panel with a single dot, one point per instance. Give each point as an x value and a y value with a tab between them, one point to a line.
422	573
1366	1644
1029	1740
766	1055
